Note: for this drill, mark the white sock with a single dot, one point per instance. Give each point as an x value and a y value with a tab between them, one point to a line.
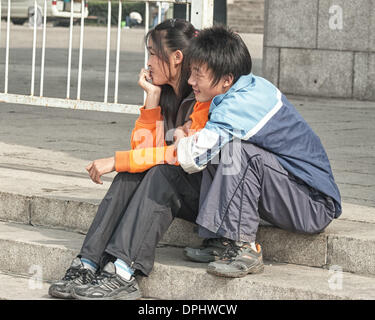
123	270
253	246
88	264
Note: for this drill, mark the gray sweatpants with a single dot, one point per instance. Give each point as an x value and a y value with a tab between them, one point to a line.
248	184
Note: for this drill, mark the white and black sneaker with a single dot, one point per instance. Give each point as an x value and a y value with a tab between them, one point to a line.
76	275
108	285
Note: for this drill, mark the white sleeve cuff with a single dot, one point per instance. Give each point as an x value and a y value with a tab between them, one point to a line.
185	156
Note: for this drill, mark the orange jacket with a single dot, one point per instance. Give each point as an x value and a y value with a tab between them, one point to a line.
147	140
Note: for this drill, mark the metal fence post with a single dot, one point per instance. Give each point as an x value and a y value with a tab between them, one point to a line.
203	9
202	13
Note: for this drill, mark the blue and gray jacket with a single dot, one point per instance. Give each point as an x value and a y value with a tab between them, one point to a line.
254	110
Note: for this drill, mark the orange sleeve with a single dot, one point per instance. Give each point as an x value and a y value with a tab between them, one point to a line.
140	160
148	130
199	117
148	146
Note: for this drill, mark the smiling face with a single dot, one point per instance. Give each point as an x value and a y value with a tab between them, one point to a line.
201	80
162	72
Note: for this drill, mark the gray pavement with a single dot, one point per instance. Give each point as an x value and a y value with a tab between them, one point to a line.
93	65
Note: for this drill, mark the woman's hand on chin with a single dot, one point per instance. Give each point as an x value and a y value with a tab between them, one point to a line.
99	167
152	91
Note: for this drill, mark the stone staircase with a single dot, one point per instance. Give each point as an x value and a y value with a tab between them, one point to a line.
47	203
336	264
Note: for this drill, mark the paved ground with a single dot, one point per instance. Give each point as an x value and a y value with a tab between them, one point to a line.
94	61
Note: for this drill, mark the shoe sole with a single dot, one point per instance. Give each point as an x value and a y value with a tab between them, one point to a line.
125	296
60	295
239	274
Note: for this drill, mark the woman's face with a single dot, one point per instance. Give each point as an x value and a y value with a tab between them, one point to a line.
159	69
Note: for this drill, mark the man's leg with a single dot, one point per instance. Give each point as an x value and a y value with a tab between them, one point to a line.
213	245
259	187
262	188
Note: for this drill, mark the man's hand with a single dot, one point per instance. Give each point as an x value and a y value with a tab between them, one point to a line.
186	127
99	167
181	132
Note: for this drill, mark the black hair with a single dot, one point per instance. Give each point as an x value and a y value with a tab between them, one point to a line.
169	36
223	51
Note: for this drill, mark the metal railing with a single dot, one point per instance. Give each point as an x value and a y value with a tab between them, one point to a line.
199	13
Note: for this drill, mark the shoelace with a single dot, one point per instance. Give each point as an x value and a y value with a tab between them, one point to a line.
71	274
231	251
102	278
74	273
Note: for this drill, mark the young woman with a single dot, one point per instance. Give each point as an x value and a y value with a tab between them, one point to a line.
139	207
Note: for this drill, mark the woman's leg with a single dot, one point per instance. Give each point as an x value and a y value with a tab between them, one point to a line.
109	213
165	192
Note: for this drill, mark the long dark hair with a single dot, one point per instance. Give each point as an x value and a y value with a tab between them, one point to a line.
172	35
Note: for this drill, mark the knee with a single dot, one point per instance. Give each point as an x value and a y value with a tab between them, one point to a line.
122	176
237	156
163	169
126	177
238	149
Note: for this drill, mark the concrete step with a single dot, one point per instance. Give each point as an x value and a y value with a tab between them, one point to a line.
15	287
348	241
43	253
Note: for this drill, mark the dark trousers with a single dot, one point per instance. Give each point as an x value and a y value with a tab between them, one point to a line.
249	183
136	212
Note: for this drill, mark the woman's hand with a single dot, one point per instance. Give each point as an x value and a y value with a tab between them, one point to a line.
152	91
99	167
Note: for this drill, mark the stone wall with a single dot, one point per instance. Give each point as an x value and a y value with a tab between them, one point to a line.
321	47
246	16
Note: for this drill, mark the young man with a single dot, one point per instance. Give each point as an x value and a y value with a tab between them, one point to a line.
271	164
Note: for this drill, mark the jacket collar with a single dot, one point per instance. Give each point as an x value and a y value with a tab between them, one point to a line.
241	83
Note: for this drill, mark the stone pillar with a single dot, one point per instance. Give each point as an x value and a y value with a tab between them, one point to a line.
321	47
245	16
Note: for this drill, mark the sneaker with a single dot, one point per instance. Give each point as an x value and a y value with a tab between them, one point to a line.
238	260
108	286
211	250
76	275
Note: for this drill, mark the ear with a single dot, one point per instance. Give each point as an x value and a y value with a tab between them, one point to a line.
228	81
178	57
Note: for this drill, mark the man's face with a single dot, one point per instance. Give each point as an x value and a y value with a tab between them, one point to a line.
201	82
